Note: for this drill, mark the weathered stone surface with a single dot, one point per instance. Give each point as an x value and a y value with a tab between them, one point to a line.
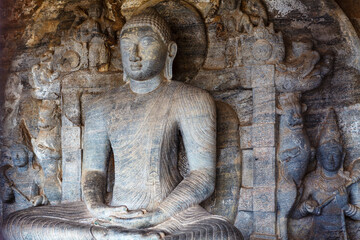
224	79
264	166
262	76
247	168
234	49
264	105
263	135
246	199
71	137
241	101
244	222
264	199
245	137
71	167
265	225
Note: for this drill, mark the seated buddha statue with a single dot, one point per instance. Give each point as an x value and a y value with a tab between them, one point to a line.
142	124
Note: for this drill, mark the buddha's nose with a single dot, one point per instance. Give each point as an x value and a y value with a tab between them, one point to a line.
134	54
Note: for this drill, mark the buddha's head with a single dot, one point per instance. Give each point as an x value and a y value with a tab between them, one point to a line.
330	154
146	47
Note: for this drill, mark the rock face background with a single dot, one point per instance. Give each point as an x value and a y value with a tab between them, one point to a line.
211	56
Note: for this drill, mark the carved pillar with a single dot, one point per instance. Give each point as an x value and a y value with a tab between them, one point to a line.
261	49
71	152
263	141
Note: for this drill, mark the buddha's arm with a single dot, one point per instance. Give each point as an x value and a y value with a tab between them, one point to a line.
96	155
197	122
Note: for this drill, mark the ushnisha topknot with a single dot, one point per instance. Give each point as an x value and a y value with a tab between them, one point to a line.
151	18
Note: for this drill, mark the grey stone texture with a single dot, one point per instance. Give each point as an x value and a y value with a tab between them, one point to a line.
279	71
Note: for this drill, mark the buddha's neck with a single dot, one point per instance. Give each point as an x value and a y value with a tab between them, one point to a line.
145	86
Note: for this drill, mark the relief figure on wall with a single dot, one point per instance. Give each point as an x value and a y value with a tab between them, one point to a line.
21	183
45	81
141	123
91	35
46	146
329	194
293	156
302	71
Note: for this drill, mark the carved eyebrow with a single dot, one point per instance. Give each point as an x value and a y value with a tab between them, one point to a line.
151	34
125	38
148	37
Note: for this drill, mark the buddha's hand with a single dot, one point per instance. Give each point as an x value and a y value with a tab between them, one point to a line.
312	207
106	212
39	200
138	220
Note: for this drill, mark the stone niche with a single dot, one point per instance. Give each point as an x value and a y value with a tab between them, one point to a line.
284	74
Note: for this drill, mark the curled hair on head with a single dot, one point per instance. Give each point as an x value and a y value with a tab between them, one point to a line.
150	18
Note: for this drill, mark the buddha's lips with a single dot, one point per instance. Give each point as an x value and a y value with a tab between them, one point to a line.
136	67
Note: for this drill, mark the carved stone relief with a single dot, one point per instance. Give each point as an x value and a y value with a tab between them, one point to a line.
276	71
22	183
329	193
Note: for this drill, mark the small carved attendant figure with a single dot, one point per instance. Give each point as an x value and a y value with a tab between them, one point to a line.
329	193
47	148
45	82
21	183
91	36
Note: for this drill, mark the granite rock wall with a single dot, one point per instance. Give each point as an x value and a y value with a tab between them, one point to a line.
250	56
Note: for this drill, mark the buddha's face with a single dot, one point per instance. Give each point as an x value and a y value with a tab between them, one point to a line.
19	157
143	53
330	156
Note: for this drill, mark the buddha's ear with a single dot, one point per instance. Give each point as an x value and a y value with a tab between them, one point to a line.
125	77
172	50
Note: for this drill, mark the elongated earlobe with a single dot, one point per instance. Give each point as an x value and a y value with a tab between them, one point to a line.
172	50
125	77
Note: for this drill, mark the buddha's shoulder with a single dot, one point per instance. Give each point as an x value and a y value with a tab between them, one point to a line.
186	92
105	100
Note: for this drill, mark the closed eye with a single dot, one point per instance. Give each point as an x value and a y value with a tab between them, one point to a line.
125	43
147	40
